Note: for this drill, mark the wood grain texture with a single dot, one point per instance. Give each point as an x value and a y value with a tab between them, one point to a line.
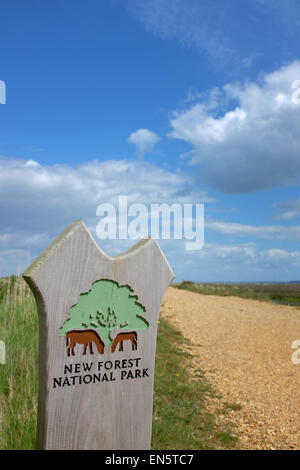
112	414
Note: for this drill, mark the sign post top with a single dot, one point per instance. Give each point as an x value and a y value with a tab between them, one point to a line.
98	320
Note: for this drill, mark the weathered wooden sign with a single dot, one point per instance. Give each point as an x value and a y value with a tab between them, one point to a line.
98	318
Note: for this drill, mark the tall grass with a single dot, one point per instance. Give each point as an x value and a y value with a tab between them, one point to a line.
18	377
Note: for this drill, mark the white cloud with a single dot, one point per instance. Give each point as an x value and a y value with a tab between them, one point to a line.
236	262
144	141
252	146
200	24
287	210
235	35
6	237
279	259
237	252
266	232
31	163
38	202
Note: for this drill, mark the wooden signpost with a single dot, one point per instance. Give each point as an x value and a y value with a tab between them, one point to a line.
98	318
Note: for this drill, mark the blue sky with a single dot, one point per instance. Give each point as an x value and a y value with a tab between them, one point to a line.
164	101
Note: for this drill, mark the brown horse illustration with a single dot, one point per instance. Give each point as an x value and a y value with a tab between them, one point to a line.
86	337
131	336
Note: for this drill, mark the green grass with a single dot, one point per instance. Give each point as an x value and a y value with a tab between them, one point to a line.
18	377
285	293
180	417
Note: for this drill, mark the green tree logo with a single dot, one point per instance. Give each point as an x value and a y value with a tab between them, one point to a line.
105	307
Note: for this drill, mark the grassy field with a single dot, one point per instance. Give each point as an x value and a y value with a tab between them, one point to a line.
18	378
285	293
180	417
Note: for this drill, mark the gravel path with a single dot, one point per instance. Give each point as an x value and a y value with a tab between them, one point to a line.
244	348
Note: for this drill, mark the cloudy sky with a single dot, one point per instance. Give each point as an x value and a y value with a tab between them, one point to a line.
165	101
